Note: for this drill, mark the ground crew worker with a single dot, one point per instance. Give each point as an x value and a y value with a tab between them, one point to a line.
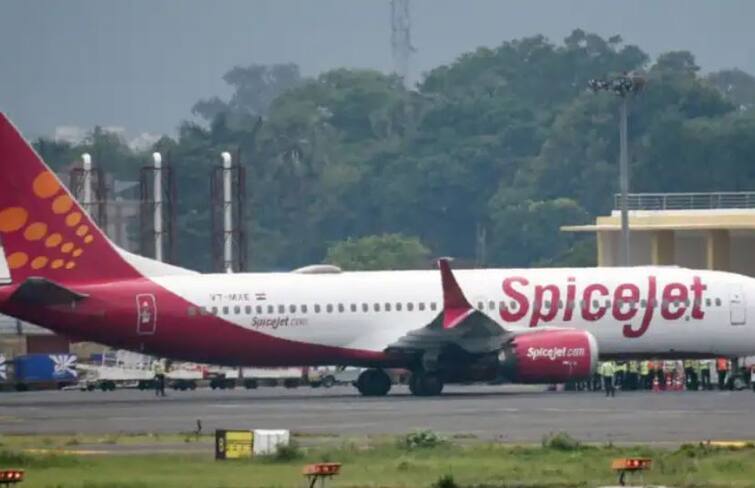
752	376
620	376
646	381
632	376
690	374
159	370
722	367
607	371
706	366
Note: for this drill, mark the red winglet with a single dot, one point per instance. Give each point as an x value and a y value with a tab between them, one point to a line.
455	305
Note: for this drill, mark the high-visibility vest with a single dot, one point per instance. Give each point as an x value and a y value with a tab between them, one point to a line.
722	364
688	363
633	367
645	368
608	368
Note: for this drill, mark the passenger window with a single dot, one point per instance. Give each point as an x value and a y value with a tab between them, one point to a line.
203	311
387	307
548	304
340	308
491	305
376	307
237	310
214	310
480	306
353	307
292	308
421	306
595	304
248	309
258	308
410	306
303	309
270	309
560	304
191	311
643	303
329	308
718	302
317	308
281	309
398	306
513	304
225	311
501	305
365	308
433	306
707	302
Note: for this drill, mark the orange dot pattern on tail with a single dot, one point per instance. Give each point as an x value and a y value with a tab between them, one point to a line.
62	204
39	262
53	240
17	260
45	185
13	218
35	231
47	240
73	219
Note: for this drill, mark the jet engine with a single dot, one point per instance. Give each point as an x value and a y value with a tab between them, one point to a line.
549	356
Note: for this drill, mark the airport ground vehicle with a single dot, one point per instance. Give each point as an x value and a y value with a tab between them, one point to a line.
39	371
518	325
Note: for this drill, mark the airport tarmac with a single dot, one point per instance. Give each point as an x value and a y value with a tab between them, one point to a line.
509	413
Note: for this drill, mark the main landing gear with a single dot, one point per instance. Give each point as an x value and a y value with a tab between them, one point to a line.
373	382
425	383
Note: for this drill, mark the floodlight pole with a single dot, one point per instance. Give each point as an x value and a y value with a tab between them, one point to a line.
623	86
624	179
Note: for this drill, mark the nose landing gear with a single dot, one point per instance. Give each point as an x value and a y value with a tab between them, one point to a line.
373	382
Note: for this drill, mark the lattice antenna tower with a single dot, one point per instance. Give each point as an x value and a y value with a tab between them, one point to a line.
401	40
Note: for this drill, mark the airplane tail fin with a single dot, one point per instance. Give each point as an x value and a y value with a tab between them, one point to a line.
43	230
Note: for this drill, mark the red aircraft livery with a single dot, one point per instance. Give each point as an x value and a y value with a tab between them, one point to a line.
626	302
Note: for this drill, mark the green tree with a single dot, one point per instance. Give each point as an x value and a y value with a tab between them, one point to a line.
387	251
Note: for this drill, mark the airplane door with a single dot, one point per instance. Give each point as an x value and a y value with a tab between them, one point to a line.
146	314
737	310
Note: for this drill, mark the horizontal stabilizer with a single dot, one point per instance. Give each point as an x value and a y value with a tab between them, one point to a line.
41	291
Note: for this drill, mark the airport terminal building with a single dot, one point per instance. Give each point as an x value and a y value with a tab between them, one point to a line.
713	231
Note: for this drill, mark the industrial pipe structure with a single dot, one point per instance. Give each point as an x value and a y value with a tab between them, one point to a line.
227	213
228	196
87	183
86	167
157	211
158	194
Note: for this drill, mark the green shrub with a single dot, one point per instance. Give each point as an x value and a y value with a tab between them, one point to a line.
421	439
287	452
445	481
561	441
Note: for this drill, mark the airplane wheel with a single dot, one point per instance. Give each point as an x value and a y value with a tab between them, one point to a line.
373	382
425	384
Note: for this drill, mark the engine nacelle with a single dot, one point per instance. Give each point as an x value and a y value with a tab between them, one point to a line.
549	356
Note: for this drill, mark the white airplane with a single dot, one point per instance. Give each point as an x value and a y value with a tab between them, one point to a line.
519	325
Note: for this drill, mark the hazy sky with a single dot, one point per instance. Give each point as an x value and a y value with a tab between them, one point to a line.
141	64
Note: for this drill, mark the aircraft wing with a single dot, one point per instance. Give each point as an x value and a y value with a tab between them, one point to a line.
459	329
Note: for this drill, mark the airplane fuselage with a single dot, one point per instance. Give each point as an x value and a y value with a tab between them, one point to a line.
349	318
